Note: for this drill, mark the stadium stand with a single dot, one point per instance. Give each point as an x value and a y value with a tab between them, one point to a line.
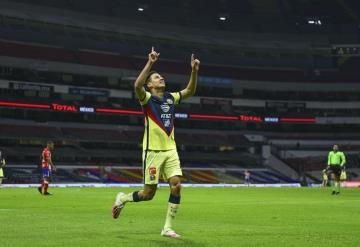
279	83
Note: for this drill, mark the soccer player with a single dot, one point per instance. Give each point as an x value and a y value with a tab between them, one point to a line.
247	177
336	162
2	164
325	178
160	157
47	166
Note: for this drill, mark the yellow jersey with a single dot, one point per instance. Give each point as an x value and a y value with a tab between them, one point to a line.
159	121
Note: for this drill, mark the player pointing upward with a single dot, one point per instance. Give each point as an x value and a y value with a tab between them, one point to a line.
160	157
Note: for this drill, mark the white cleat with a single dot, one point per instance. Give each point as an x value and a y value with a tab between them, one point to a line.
118	206
169	233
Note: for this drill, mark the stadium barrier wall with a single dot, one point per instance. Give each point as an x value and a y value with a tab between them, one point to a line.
128	185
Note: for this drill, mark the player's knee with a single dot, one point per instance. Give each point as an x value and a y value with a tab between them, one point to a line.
176	188
148	195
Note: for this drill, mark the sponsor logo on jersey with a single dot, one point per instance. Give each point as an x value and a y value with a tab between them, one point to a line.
165	107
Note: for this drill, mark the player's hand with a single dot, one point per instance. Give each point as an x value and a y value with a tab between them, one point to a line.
195	63
153	55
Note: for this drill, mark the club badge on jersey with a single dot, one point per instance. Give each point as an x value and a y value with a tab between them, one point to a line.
152	172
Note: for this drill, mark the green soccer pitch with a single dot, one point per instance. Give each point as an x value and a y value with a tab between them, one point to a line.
207	217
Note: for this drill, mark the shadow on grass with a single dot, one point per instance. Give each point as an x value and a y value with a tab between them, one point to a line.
176	242
152	240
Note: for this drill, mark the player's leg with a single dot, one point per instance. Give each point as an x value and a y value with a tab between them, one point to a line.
337	185
47	179
337	181
46	186
332	180
40	188
332	183
44	173
152	164
146	194
173	205
172	173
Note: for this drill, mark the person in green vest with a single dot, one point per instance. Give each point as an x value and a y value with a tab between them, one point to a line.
336	164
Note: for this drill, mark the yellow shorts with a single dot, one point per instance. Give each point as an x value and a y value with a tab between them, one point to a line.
1	173
160	163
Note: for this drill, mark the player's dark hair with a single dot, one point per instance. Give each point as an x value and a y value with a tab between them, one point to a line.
149	76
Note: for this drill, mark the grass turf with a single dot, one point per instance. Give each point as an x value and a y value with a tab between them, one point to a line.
207	217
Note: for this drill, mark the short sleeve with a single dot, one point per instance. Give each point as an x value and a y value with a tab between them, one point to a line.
177	97
145	99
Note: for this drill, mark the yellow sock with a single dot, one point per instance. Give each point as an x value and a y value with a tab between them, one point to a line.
170	214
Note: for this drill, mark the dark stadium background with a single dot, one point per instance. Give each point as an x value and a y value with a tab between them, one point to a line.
279	84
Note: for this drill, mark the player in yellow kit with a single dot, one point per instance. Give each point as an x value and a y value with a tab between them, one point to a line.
325	178
160	157
2	164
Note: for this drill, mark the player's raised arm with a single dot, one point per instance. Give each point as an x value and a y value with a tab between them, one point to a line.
191	87
140	81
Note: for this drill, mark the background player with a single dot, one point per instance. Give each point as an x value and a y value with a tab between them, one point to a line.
325	178
47	166
2	164
247	177
160	157
336	162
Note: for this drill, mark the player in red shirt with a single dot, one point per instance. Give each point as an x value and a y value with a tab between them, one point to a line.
47	166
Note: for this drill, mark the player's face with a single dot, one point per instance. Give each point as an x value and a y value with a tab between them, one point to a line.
335	148
156	81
